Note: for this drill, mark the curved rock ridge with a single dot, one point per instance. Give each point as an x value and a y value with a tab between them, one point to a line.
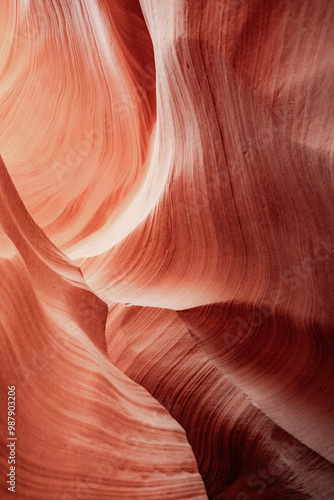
82	426
248	180
283	364
77	103
57	281
239	450
179	157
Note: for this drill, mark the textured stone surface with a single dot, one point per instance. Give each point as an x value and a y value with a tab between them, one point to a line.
168	245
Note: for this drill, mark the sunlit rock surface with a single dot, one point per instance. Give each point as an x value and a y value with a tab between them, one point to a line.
84	430
238	448
168	245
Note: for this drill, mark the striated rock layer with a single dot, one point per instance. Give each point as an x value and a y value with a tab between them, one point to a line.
179	157
238	448
82	427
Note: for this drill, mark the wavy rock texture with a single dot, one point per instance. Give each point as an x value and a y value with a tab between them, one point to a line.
83	427
238	448
180	154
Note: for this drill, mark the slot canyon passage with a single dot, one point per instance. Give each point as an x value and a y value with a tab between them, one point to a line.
166	249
